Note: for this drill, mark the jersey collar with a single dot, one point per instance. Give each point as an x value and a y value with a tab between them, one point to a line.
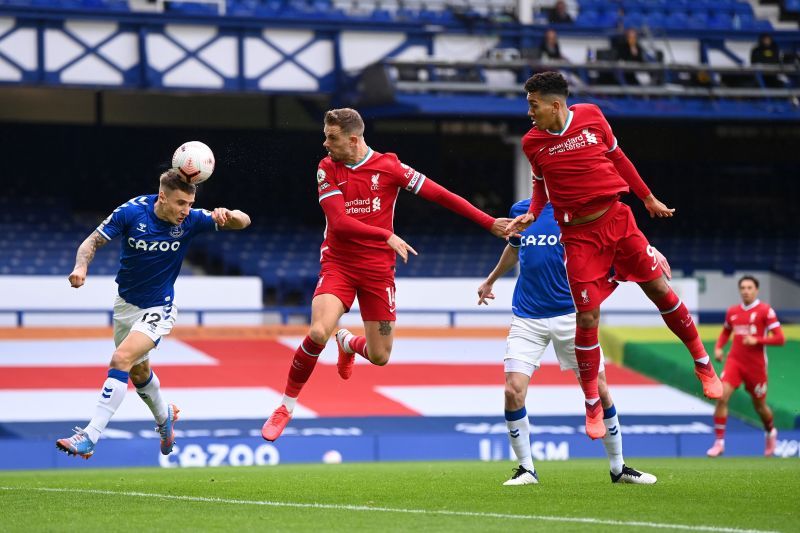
366	158
752	305
566	125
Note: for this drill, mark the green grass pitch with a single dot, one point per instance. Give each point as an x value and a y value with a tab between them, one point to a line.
726	494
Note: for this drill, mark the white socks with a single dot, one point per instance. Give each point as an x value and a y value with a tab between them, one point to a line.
613	440
111	397
150	393
289	402
519	435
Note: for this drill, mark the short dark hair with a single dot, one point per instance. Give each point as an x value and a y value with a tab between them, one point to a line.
547	83
347	119
172	180
748	277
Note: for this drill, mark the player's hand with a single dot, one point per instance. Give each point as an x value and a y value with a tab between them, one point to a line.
401	247
749	340
78	277
221	216
657	208
521	223
485	293
718	353
499	226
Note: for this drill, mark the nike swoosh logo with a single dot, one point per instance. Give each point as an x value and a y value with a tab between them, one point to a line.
391	309
653	267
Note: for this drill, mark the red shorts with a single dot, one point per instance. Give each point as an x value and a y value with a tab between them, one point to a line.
753	376
375	292
592	249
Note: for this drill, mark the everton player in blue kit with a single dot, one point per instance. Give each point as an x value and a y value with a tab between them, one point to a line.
543	313
155	231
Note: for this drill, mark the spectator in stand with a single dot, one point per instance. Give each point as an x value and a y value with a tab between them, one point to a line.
558	14
766	52
549	49
629	49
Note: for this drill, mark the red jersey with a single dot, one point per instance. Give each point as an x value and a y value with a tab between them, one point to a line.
370	189
756	319
574	163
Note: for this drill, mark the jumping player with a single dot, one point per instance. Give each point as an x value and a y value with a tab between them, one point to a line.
358	188
156	231
544	313
578	165
754	326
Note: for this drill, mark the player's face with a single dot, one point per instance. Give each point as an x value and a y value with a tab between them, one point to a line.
748	291
176	205
340	146
541	111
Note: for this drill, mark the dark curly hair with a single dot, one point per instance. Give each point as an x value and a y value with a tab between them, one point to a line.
547	83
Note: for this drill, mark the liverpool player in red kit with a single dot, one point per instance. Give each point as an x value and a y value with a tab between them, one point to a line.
358	188
754	327
578	165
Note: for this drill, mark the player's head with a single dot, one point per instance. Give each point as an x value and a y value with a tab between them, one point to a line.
344	132
175	197
748	289
547	99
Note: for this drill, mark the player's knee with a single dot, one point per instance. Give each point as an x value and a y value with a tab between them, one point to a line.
379	357
588	319
319	334
123	359
515	397
657	289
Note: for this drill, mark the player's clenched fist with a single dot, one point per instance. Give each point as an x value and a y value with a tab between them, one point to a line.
221	216
77	277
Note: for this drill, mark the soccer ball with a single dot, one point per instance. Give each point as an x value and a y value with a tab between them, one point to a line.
194	161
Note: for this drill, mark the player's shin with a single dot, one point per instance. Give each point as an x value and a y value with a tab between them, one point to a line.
587	352
150	393
519	435
612	442
680	322
303	363
111	396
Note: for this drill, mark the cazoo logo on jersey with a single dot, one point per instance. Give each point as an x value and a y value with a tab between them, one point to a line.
538	240
154	246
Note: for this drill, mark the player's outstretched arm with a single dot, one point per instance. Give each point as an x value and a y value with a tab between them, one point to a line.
434	192
85	254
230	220
508	259
401	247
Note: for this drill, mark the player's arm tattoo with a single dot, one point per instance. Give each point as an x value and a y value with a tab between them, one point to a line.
88	248
385	327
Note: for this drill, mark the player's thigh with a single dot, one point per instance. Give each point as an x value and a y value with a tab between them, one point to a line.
326	310
562	331
153	322
587	264
635	259
731	374
755	382
376	298
527	340
334	281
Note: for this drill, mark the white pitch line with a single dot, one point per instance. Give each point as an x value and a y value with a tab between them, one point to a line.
335	507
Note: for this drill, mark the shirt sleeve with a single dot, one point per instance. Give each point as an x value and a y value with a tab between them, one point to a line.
609	139
202	221
407	178
117	221
772	320
727	323
514	242
326	181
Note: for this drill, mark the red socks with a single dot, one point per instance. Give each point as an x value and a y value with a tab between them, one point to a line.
587	352
719	426
768	424
359	345
305	359
680	321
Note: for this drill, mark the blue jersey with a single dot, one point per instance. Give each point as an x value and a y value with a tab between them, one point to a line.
152	249
542	290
